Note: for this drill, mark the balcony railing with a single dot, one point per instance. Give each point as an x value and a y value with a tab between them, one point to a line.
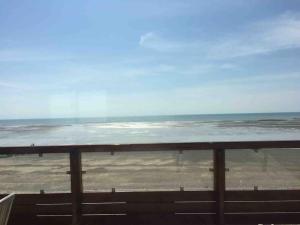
218	206
5	208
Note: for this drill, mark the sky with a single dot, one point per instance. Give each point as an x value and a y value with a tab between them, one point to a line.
74	58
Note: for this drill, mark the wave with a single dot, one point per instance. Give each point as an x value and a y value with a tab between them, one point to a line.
293	123
261	123
272	120
27	128
264	123
111	125
136	125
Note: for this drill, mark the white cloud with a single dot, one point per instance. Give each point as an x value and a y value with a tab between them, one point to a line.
153	41
262	37
265	78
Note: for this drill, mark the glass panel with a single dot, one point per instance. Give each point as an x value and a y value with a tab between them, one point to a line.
146	171
31	173
263	169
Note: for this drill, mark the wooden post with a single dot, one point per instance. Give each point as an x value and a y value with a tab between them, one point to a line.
76	186
219	183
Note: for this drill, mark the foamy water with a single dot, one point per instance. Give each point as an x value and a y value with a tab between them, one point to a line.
194	128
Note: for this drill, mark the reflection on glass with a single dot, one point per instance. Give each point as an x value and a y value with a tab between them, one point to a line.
263	169
32	173
146	171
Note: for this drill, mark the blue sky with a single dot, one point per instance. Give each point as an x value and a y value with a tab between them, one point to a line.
71	58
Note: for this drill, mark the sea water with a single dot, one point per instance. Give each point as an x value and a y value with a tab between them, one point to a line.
151	129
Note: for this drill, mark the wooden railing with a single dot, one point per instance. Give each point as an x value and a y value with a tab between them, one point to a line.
219	206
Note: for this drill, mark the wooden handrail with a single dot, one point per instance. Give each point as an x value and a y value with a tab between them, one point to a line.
151	147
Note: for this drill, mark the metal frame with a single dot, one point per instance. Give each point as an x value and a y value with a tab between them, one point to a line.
5	208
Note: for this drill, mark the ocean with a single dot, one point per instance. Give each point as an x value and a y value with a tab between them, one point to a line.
151	129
